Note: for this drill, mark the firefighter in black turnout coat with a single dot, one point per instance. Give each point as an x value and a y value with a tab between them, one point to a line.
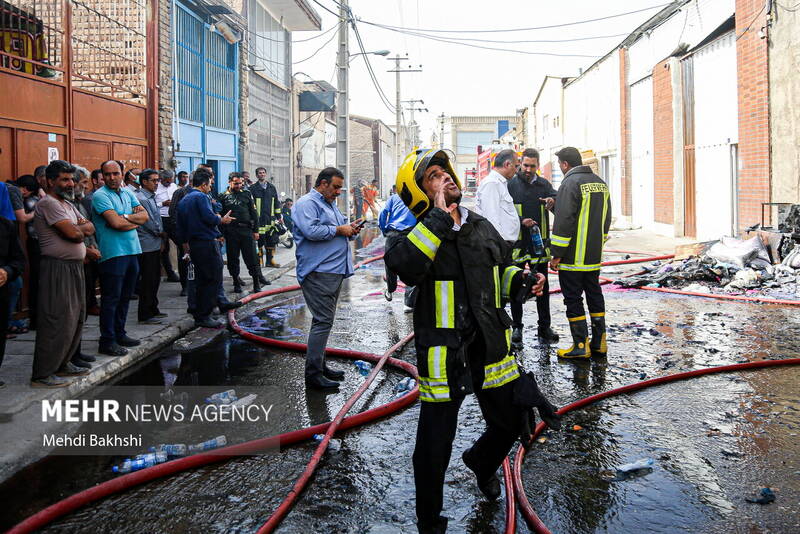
458	262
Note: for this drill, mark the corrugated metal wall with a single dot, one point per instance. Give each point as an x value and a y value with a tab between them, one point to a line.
269	145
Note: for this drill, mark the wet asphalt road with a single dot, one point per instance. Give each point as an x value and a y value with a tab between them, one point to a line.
715	440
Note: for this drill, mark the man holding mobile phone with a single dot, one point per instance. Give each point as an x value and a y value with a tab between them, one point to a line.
322	235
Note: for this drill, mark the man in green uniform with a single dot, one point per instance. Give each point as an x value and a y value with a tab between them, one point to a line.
242	234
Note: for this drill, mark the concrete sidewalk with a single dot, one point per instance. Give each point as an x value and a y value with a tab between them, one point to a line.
20	442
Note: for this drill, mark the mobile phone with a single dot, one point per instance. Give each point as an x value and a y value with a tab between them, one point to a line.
359	223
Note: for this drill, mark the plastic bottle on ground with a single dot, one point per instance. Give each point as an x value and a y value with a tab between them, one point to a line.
333	444
219	441
142	461
223	397
171	449
363	367
638	465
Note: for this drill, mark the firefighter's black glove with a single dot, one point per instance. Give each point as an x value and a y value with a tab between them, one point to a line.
527	426
527	395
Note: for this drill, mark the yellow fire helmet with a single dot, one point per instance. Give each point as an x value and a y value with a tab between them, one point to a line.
409	177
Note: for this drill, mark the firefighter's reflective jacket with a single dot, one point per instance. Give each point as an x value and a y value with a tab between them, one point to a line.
462	278
582	220
527	200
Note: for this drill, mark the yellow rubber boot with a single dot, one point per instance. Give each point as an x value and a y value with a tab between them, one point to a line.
270	258
580	340
598	346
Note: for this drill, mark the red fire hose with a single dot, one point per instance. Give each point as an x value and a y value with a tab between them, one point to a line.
525	507
130	480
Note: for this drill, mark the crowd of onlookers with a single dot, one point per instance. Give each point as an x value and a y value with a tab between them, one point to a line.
66	232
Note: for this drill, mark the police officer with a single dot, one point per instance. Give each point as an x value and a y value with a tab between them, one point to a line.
458	262
582	220
533	196
269	210
242	234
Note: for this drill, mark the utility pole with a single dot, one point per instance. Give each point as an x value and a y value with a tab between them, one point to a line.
342	114
441	126
397	70
414	136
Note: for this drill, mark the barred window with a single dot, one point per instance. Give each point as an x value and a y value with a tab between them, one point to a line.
268	43
31	37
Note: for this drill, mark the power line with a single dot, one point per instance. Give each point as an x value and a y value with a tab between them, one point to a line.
317	51
592	38
562	25
384	99
447	40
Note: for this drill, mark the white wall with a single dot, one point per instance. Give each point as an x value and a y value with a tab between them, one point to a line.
642	186
716	128
690	25
591	118
548	124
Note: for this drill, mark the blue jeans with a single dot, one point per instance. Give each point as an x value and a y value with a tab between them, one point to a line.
117	281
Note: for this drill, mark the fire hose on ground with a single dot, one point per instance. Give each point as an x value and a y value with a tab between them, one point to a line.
137	478
515	492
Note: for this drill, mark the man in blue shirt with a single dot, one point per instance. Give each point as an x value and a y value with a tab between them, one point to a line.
116	215
323	262
197	229
395	215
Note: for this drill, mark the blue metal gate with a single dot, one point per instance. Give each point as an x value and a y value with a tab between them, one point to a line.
206	96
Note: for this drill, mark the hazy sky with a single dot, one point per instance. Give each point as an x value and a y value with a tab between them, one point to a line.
460	80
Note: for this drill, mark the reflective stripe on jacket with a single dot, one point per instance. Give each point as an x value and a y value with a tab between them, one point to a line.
463	280
582	220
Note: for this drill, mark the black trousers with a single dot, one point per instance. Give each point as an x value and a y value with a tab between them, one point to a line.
4	296
574	284
183	266
436	430
391	279
91	274
150	278
542	303
240	240
207	261
34	262
169	228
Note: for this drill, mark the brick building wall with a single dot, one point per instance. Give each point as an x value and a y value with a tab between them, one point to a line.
166	89
625	129
362	163
753	97
663	170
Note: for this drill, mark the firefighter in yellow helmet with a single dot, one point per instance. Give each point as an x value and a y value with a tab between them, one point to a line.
459	264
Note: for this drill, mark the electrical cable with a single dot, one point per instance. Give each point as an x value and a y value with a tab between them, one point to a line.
471	45
385	99
561	25
317	51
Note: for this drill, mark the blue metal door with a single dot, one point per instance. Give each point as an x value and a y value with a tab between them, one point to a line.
206	93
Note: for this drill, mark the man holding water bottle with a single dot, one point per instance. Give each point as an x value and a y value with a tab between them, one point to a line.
533	198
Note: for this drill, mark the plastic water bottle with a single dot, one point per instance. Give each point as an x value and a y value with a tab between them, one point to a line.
406	384
157	457
171	449
333	444
638	465
219	441
363	367
190	271
536	239
223	397
142	461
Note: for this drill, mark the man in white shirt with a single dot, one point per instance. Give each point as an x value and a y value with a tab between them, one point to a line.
166	188
493	200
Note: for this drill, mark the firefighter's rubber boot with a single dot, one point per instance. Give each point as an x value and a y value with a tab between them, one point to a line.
598	346
256	285
580	340
516	337
270	258
490	486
